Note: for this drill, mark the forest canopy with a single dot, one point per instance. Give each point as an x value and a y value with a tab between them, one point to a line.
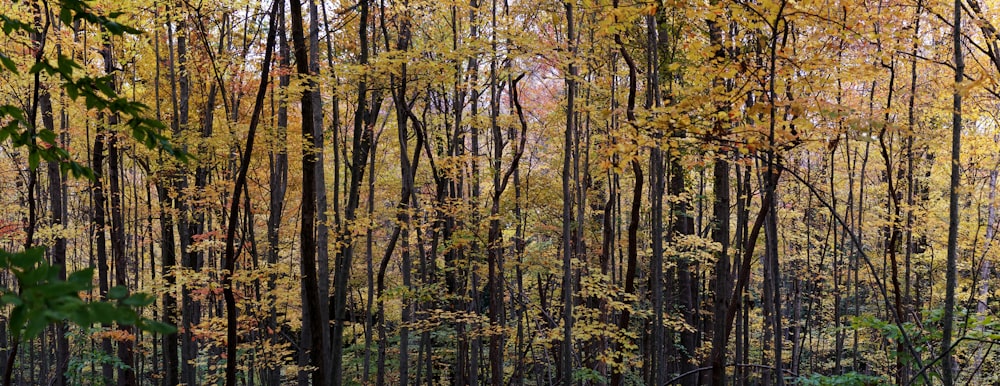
574	192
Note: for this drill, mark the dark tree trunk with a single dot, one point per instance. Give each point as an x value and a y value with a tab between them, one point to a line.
566	356
322	231
307	236
721	282
362	142
190	309
278	183
104	136
948	361
57	217
229	269
631	270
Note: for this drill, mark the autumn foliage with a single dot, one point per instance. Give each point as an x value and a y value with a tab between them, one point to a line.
499	192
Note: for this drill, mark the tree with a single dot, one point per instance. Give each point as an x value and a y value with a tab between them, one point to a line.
766	213
951	275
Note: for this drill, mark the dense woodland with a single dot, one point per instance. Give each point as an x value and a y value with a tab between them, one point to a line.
502	192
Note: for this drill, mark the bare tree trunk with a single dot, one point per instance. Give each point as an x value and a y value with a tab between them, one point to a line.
566	364
126	374
100	237
322	230
362	141
229	269
57	217
721	282
310	280
951	275
618	377
772	293
985	270
190	309
277	182
657	368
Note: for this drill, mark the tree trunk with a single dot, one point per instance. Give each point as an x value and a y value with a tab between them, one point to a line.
362	141
322	230
278	184
229	260
772	293
951	275
310	280
721	282
566	360
57	217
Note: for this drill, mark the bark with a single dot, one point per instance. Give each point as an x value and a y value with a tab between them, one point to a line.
657	186
310	281
566	356
618	377
57	217
278	183
772	290
126	375
687	279
101	222
190	309
362	141
721	281
229	269
322	230
951	275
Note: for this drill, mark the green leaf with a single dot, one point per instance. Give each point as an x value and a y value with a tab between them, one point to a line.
12	299
33	160
82	276
18	316
8	63
66	65
66	16
48	136
105	88
138	300
117	292
27	259
12	112
156	327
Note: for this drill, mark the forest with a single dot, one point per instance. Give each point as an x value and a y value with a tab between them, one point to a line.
499	192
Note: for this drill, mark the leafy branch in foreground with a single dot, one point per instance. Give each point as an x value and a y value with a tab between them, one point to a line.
98	93
43	298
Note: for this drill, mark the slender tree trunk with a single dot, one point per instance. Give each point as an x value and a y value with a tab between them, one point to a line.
566	364
278	184
310	280
495	245
190	309
657	186
126	374
721	281
984	272
772	267
57	217
168	251
404	209
100	237
618	377
229	269
951	275
322	229
910	187
362	142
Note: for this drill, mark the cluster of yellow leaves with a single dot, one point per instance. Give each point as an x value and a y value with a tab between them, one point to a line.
113	334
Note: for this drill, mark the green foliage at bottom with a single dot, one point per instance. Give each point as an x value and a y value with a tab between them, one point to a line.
42	298
849	379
